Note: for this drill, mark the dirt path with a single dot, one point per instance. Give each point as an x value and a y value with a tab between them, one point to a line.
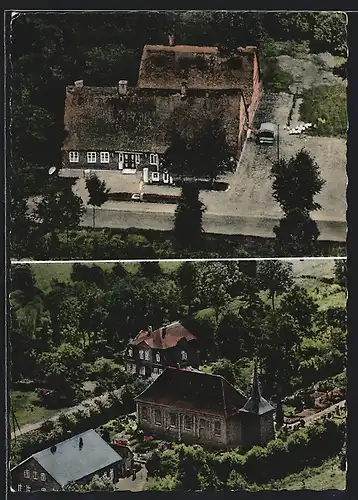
317	416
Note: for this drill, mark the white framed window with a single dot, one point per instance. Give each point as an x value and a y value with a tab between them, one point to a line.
142	370
34	474
217	428
104	475
27	473
74	156
19	487
134	369
155	370
91	157
146	355
155	176
157	357
158	417
111	474
121	157
141	354
126	156
28	488
160	370
184	355
104	157
130	352
137	158
188	422
153	159
43	489
43	476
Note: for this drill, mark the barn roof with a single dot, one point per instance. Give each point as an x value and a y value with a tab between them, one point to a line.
167	67
164	337
193	390
98	118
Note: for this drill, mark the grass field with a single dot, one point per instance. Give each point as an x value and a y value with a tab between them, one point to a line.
27	408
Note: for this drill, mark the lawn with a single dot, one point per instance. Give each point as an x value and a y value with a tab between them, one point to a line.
28	409
325	477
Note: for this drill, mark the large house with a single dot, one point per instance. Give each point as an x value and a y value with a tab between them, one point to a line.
192	406
151	351
76	460
126	128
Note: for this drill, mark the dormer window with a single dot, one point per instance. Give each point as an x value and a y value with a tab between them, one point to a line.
141	354
153	159
91	157
74	156
184	356
130	352
104	157
157	357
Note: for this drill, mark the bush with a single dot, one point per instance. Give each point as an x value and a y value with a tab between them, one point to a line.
274	78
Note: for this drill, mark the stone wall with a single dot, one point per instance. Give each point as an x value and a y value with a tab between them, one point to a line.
267	428
234	431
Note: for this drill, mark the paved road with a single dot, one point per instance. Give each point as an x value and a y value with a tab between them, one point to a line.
133	216
81	406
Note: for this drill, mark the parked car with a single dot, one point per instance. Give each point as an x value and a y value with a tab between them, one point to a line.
267	133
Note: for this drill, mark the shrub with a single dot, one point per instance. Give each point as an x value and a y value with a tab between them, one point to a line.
275	79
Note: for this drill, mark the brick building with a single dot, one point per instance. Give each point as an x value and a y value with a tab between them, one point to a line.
191	406
151	351
75	460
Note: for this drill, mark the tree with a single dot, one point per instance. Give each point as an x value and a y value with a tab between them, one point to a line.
340	272
97	193
186	274
23	278
275	276
300	306
150	270
188	222
296	182
296	234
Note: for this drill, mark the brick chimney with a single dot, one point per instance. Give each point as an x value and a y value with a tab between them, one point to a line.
79	84
122	87
183	90
171	40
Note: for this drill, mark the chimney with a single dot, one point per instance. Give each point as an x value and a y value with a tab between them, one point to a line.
183	90
164	331
171	40
79	84
150	329
122	87
53	449
80	443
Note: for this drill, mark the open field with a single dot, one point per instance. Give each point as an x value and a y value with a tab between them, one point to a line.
27	408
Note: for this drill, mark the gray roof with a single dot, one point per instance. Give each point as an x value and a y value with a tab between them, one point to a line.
70	463
256	403
267	127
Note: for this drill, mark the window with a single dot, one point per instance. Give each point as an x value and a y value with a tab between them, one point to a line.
111	474
134	369
188	423
34	474
130	352
28	488
158	417
74	156
144	413
104	475
217	428
155	370
104	157
173	420
121	157
137	158
155	176
19	487
125	156
141	354
142	370
43	476
157	357
27	473
153	159
146	355
91	157
184	355
43	489
160	370
202	423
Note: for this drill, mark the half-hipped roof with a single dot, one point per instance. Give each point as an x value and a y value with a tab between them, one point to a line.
194	390
164	337
166	67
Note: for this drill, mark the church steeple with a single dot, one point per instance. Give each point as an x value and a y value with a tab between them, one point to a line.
256	403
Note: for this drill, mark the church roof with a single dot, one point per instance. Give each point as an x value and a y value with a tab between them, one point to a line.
191	389
256	404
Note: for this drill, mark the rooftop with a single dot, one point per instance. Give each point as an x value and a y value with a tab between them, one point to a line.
256	404
164	337
69	462
164	66
194	390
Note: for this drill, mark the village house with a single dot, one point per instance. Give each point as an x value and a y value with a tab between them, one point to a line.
192	406
126	128
75	460
151	351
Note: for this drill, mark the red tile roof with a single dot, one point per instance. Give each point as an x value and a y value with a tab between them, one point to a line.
194	390
173	333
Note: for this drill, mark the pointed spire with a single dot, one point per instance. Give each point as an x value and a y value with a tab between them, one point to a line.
255	389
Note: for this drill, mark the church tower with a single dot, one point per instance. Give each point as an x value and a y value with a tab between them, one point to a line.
257	417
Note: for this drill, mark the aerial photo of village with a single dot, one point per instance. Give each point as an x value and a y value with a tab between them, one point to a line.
178	134
178	376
